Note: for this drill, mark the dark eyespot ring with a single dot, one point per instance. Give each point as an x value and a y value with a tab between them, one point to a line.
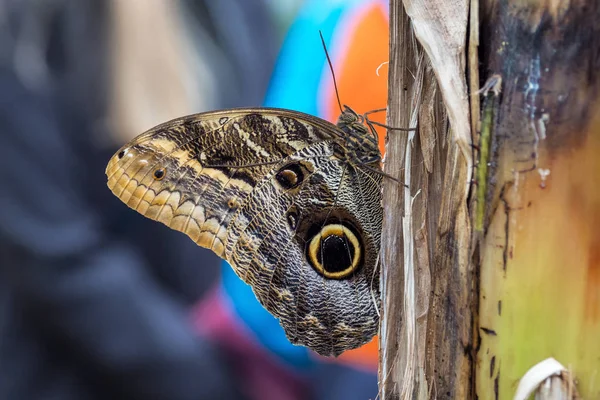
290	176
335	251
121	154
159	173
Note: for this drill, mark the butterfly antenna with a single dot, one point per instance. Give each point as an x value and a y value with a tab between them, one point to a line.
337	94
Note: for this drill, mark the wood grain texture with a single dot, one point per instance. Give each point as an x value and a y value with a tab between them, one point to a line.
540	270
402	57
434	358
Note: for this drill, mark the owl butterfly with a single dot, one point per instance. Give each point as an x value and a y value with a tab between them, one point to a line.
291	201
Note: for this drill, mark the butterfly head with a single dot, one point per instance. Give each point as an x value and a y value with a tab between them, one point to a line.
351	119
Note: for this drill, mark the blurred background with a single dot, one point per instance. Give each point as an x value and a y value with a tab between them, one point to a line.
98	302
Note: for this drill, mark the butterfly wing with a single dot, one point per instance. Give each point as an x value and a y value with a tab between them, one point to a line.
257	187
310	255
183	173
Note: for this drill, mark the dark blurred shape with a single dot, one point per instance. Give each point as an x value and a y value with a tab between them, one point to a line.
94	297
237	31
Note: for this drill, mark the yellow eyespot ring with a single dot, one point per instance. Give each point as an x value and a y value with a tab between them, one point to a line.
314	247
159	173
232	203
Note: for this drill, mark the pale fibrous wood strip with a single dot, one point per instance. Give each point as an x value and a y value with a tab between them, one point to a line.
426	324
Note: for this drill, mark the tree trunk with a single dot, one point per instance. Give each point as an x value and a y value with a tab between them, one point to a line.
539	254
427	282
490	259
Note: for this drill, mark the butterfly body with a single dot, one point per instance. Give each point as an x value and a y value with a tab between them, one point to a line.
291	201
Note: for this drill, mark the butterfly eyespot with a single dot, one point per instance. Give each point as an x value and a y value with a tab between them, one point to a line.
335	252
159	173
290	200
292	219
290	176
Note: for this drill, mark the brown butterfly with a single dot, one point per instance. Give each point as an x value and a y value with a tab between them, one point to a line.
291	201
